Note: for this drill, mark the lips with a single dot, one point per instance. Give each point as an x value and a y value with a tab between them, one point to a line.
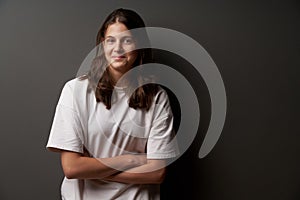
118	57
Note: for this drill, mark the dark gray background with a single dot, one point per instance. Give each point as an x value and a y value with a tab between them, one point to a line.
255	45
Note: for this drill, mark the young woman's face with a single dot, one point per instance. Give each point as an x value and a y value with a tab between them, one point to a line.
115	46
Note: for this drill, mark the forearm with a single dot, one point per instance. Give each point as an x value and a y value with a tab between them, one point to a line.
80	167
150	173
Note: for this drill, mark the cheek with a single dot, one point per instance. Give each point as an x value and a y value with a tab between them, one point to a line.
107	53
129	48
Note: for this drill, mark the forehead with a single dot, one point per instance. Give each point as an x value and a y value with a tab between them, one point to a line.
117	30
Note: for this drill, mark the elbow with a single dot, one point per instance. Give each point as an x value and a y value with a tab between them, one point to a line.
70	164
160	176
70	173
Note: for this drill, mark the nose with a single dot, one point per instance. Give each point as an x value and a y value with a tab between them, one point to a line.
118	47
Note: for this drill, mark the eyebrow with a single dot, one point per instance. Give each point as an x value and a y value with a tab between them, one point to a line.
126	36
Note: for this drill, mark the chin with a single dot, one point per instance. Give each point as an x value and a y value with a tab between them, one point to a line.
121	67
118	66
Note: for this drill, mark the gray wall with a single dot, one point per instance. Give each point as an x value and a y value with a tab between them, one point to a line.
255	45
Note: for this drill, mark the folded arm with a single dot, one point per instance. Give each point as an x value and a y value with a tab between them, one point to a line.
133	169
78	166
153	172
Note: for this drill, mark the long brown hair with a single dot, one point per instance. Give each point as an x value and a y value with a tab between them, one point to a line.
99	77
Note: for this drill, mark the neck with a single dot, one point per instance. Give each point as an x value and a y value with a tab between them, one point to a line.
116	75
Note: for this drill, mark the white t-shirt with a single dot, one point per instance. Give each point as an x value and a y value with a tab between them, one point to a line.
80	122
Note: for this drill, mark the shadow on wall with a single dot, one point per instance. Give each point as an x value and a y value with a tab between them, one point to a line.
181	181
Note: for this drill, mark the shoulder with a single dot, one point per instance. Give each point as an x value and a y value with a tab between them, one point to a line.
161	97
76	83
161	94
75	87
73	90
161	104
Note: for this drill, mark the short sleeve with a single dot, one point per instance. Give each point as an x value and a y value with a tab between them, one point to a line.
162	142
66	126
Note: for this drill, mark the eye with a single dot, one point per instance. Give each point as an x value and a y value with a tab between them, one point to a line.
128	41
109	40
